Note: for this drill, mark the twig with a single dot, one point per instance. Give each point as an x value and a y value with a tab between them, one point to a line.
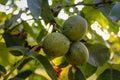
85	4
6	77
56	27
93	5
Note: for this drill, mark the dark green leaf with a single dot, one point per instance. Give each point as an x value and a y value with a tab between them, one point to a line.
49	69
63	64
12	40
3	2
2	70
24	74
115	13
46	13
35	7
88	69
109	74
10	21
97	1
99	54
21	49
16	53
75	74
106	11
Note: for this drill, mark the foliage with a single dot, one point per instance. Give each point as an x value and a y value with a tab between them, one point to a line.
22	30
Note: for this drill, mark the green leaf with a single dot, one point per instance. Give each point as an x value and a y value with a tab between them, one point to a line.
88	1
99	54
101	69
5	57
37	77
113	28
115	13
46	13
35	7
60	62
21	49
49	69
42	33
88	69
24	62
29	29
3	2
116	66
75	74
3	17
10	21
112	14
24	74
2	70
92	15
109	74
39	24
98	38
59	21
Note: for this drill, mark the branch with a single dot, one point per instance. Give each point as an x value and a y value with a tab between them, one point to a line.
93	5
59	6
6	77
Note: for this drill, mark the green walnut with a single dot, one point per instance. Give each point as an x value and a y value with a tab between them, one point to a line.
56	44
78	54
75	27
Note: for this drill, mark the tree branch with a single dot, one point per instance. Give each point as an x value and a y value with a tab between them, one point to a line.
56	9
93	5
6	77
